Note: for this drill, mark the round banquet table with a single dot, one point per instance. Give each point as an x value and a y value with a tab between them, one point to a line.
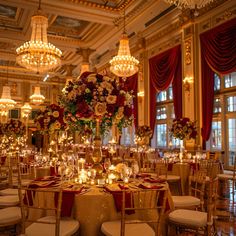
96	207
91	209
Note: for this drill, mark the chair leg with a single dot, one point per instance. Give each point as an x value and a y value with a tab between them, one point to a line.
180	188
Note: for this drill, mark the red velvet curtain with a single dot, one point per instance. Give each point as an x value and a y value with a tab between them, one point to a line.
165	68
131	83
218	54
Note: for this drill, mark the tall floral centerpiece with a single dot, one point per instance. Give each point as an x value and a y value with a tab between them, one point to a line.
13	138
183	129
49	122
96	100
143	135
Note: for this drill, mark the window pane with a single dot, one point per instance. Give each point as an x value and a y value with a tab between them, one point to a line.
216	134
161	96
231	103
170	93
217	106
161	135
216	82
161	113
232	139
230	80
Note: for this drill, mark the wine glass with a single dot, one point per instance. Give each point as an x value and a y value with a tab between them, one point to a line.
125	173
135	168
107	164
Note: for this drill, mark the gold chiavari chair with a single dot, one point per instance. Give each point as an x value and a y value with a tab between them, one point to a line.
195	197
148	207
199	222
45	200
162	171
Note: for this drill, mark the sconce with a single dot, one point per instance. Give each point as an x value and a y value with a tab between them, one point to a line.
140	96
187	84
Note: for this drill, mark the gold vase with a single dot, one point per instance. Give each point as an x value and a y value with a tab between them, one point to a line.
97	151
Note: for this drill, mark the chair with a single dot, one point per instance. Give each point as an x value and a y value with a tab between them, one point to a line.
53	224
48	225
195	199
227	176
202	223
163	173
148	206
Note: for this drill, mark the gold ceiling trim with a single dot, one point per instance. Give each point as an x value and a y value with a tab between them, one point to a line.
100	6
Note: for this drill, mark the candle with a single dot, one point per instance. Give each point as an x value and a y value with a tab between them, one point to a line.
81	163
112	168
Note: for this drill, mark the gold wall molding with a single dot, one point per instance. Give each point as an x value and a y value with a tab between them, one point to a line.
187	54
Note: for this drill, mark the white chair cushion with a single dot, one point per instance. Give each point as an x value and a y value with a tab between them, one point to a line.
225	176
228	172
185	201
112	228
11	200
189	217
9	191
68	227
170	177
10	214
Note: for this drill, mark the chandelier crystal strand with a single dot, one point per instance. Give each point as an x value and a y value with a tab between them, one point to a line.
6	102
37	98
38	54
124	65
192	4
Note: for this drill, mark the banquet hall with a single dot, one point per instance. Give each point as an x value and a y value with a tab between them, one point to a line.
117	117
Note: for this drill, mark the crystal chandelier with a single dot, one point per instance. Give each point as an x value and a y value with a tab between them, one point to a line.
37	98
38	54
124	65
26	109
6	102
192	4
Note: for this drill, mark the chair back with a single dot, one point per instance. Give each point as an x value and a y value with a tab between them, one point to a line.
42	200
197	186
148	205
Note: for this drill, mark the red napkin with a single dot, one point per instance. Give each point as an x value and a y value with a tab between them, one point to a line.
194	166
153	180
143	175
53	170
68	197
117	196
170	166
143	186
2	160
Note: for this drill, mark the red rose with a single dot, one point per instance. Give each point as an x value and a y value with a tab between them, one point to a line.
111	108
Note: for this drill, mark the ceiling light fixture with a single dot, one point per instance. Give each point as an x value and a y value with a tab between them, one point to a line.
124	65
6	102
38	54
26	109
37	98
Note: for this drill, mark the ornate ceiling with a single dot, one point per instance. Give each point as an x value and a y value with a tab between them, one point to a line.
82	29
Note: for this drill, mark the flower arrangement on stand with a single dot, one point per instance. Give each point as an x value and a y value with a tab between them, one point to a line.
143	135
14	135
51	119
97	101
183	128
49	122
94	96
